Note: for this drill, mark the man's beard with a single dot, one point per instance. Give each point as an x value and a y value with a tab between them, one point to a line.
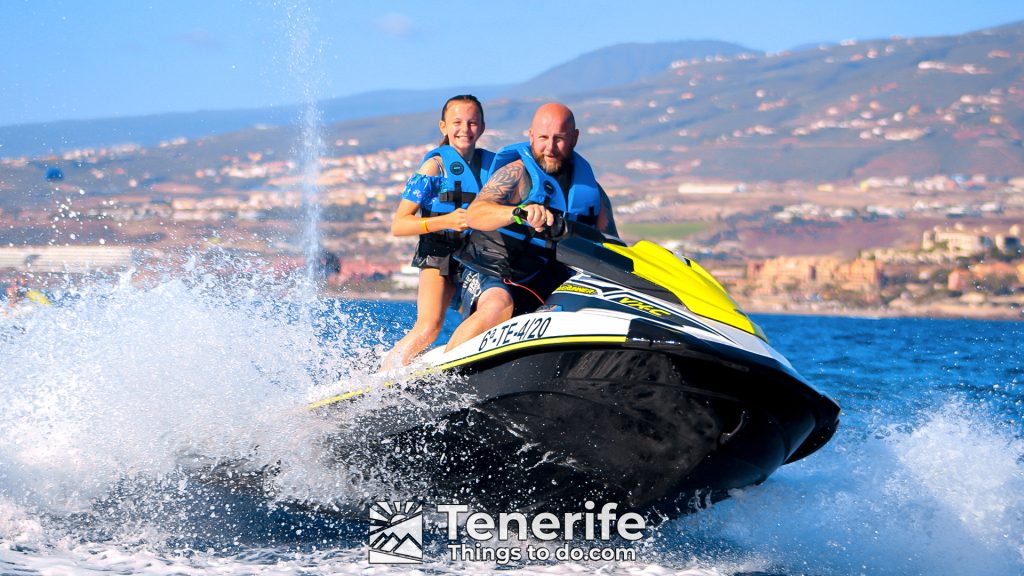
552	166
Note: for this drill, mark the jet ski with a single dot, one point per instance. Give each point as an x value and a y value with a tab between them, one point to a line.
638	381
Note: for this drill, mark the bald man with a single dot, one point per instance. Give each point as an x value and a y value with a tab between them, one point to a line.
506	271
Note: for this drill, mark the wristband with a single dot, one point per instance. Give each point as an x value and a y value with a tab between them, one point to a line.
515	218
423	221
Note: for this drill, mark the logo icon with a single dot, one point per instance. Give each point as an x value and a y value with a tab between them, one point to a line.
396	533
549	188
457	168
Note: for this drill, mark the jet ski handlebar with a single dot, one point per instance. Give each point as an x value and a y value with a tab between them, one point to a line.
558	229
562	228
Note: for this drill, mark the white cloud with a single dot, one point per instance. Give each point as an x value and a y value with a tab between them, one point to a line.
396	24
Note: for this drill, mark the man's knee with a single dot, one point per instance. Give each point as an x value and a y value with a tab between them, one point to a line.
491	308
495	304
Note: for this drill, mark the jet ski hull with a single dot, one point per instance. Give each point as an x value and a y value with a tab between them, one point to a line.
655	430
639	382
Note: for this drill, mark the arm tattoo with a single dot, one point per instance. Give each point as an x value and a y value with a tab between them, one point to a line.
503	186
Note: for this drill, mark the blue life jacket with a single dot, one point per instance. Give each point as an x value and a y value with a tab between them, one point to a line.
461	185
582	202
459	188
512	252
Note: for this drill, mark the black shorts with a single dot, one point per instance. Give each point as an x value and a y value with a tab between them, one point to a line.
439	256
446	266
527	296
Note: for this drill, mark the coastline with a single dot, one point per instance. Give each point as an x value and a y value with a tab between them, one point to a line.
935	312
944	311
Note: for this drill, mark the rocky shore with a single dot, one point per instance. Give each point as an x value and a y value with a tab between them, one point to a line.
949	308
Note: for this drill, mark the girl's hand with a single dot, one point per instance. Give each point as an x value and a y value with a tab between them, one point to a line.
456	220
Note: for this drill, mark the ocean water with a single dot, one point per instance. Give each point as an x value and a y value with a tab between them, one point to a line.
138	426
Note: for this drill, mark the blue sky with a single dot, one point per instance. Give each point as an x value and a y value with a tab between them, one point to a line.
79	59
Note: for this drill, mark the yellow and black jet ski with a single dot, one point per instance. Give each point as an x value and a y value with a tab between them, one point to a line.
639	381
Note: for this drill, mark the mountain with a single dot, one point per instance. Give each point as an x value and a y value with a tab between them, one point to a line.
889	107
618	65
892	107
45	138
615	65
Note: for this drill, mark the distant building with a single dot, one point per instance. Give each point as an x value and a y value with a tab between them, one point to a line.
408	278
958	280
813	272
710	187
1007	243
991	269
961	242
956	242
68	259
363	270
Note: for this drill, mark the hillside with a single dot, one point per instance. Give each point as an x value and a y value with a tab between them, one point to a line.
820	178
896	107
618	65
911	107
611	66
150	131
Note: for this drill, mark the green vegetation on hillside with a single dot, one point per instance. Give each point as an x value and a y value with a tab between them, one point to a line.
662	231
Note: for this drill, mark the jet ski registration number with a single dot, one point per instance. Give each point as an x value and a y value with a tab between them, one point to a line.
513	332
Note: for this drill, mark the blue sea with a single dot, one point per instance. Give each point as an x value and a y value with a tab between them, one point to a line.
129	417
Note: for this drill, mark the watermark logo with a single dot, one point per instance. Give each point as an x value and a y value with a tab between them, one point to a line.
583	535
396	533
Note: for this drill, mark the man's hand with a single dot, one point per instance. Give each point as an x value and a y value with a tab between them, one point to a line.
538	217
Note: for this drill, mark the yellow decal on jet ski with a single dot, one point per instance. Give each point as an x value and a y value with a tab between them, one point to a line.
346	396
574	288
691	283
554	341
643	306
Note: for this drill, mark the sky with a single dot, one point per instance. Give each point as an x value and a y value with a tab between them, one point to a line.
80	59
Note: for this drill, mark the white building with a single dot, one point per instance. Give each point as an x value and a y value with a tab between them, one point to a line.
70	259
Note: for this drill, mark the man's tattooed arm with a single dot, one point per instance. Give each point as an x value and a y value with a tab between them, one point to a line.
490	209
504	185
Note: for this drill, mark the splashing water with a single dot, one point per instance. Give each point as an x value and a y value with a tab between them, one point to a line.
306	76
137	424
124	380
122	402
946	497
160	420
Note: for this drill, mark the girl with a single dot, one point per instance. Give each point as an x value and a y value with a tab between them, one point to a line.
433	207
